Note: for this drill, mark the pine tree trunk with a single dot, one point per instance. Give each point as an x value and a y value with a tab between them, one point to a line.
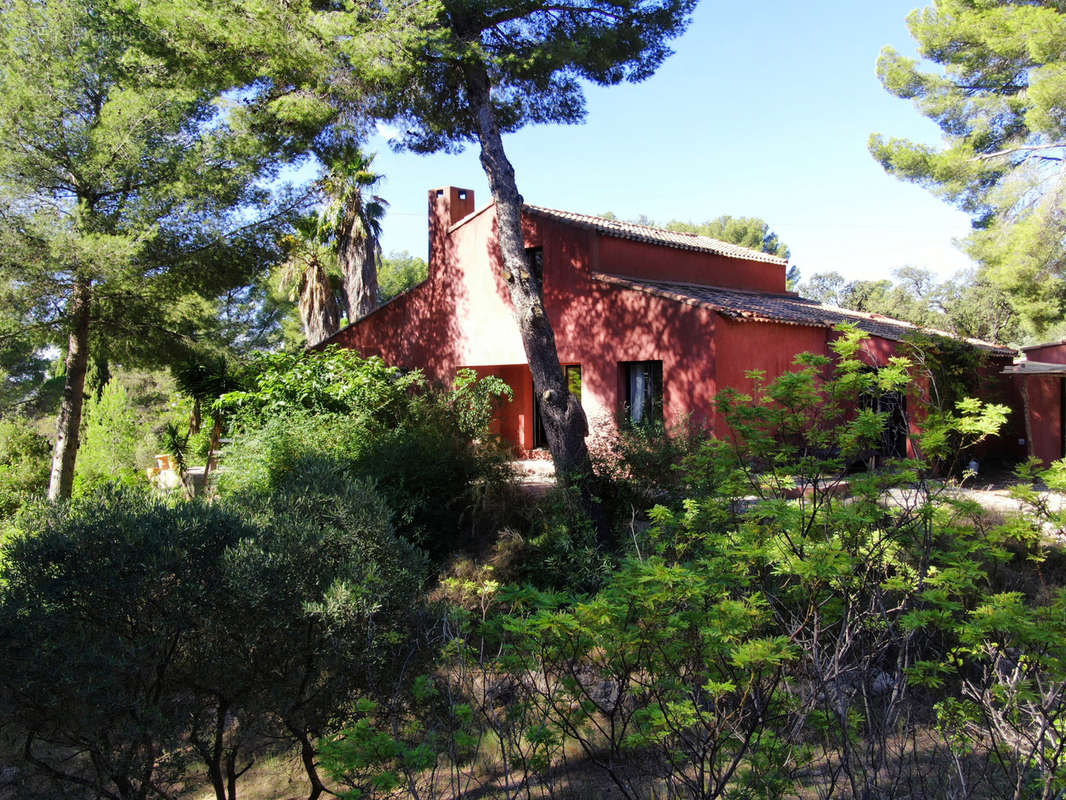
358	261
564	420
67	429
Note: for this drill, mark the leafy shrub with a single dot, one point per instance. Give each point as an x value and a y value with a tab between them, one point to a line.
639	465
779	633
781	612
322	608
140	634
333	381
425	450
97	601
24	464
1008	670
669	671
109	440
560	550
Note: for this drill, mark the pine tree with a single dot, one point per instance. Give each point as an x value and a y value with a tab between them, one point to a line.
130	180
997	92
458	71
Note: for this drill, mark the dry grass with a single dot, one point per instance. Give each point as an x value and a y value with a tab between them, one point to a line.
273	776
573	777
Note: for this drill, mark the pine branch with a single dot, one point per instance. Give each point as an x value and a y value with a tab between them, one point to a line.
1025	148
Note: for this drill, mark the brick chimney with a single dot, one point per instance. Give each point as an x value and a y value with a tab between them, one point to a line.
446	207
450	204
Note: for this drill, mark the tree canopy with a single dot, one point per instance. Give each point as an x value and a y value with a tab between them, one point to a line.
532	55
746	231
965	305
399	272
458	71
995	86
132	181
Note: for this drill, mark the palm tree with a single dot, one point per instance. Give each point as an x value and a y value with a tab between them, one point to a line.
306	274
353	217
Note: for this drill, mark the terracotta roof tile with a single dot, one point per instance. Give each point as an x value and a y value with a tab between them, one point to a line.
789	309
650	235
1035	368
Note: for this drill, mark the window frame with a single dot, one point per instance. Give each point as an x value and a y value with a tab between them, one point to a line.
653	392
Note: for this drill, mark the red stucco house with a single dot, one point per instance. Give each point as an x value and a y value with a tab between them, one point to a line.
648	321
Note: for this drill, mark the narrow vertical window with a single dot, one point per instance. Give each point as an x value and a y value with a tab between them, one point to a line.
644	391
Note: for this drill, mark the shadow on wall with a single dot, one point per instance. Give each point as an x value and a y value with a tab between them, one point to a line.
420	328
603	326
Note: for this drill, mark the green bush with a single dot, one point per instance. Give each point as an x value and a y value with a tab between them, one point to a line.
639	465
773	635
425	468
770	628
139	634
424	449
322	609
109	441
98	600
790	629
25	458
333	381
560	550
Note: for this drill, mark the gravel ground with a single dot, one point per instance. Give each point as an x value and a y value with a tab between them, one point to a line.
992	492
1000	499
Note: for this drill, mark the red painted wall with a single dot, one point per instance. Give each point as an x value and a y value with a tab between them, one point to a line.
1053	353
1010	446
1045	403
772	348
656	262
1045	416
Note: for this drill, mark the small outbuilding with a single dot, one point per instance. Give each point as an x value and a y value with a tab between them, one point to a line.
1040	380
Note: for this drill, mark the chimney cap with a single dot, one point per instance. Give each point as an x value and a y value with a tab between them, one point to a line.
451	203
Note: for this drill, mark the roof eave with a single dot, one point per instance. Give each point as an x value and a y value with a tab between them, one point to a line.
752	316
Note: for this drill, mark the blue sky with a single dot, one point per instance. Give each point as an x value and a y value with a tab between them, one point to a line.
764	110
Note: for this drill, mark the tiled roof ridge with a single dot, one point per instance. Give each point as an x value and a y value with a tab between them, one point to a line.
876	317
650	234
786	295
804	312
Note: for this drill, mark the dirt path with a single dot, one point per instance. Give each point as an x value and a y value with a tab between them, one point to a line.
536	476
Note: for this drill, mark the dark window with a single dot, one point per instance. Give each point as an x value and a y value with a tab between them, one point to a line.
644	391
893	405
573	384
